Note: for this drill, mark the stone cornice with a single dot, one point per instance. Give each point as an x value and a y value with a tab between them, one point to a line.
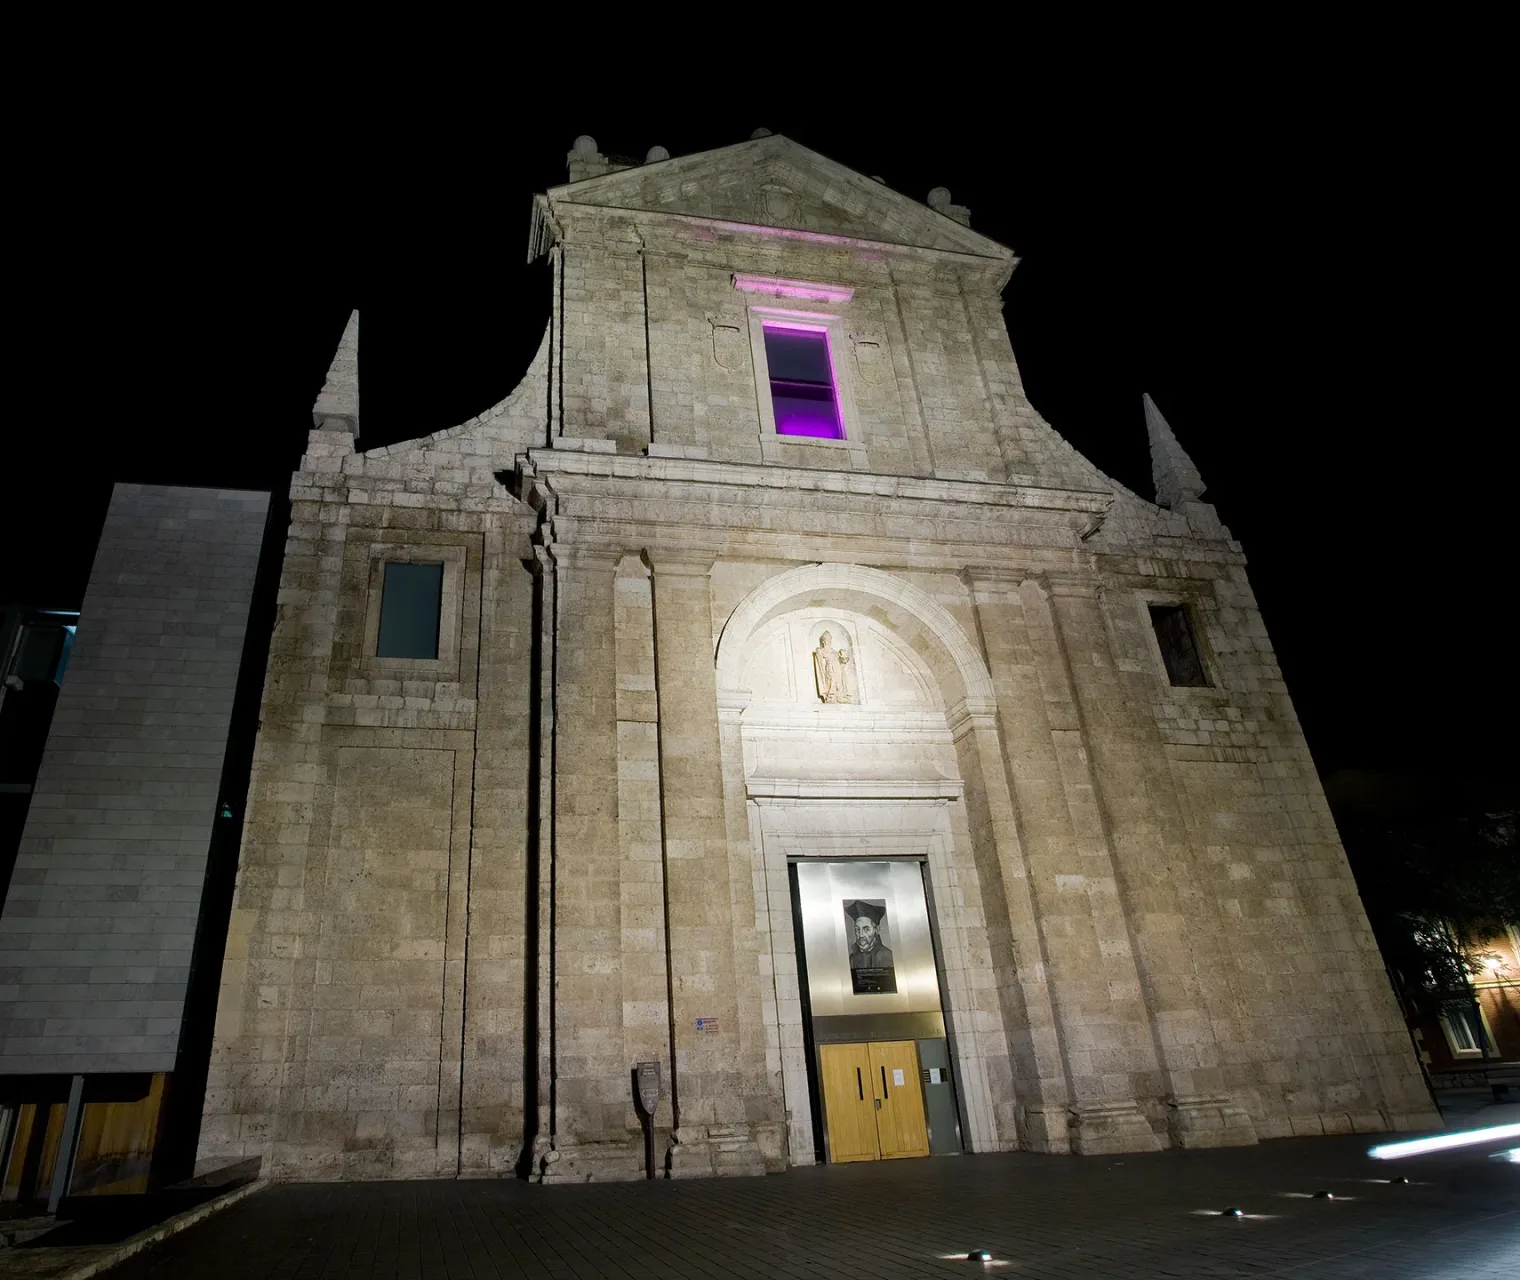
770	788
685	510
562	468
657	225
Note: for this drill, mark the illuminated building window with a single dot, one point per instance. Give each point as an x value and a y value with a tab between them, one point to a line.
1457	1024
804	396
804	362
1179	646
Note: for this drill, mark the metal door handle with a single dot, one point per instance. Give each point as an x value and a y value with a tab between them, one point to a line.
859	1085
883	1082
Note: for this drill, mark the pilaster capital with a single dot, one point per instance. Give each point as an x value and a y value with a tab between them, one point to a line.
988	583
633	565
680	562
970	715
732	702
1076	586
585	559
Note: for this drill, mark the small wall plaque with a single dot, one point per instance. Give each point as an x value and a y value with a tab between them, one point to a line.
707	1024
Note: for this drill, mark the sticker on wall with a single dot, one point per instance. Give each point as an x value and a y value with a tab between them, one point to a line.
707	1024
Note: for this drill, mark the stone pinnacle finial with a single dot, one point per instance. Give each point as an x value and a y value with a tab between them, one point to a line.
337	407
585	161
1177	479
939	201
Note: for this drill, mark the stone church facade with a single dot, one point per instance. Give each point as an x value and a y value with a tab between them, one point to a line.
713	645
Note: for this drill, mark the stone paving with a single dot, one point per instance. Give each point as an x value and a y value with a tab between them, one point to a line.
1040	1216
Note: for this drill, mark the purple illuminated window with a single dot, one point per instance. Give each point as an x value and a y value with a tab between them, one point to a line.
802	383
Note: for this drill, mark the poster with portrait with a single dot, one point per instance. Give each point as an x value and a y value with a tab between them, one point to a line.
871	967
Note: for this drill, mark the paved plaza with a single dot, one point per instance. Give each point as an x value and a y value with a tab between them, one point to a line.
1458	1218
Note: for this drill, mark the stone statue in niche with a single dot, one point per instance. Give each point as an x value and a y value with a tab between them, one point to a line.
828	671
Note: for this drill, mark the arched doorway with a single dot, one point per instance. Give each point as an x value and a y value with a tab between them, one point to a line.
848	697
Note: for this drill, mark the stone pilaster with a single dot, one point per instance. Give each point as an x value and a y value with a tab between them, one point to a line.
646	1003
1176	944
1037	1111
1074	934
594	1132
714	1133
496	1013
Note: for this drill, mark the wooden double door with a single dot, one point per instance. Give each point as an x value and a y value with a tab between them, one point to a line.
873	1101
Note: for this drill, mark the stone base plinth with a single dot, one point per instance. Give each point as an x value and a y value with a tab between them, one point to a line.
1107	1128
592	1162
771	1139
714	1151
1209	1120
1045	1129
1408	1121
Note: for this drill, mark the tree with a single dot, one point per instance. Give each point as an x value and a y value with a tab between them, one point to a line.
1437	879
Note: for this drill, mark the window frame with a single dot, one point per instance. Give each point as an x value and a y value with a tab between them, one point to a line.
1196	629
773	443
1476	1051
390	580
450	610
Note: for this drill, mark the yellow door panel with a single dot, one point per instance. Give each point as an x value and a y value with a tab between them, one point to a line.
900	1125
849	1102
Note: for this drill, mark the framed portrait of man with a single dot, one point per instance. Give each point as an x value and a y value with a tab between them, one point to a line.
871	966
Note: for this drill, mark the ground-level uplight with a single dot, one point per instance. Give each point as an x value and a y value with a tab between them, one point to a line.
989	1261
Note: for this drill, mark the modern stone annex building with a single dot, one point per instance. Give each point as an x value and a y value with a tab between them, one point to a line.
765	691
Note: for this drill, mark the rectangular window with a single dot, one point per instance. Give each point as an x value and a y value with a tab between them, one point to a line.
1179	647
1457	1023
410	604
43	651
803	395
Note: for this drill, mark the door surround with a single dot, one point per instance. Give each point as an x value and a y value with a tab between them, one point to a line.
929	831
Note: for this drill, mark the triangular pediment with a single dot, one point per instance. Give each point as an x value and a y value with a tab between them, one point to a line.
775	182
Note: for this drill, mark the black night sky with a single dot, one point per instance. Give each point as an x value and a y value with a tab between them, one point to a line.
1298	278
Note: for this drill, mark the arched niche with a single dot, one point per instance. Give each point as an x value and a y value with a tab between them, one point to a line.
915	621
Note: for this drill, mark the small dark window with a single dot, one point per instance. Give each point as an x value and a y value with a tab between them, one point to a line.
803	397
1179	647
410	604
43	652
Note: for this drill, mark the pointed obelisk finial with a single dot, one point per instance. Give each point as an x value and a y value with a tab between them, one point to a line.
1177	479
337	407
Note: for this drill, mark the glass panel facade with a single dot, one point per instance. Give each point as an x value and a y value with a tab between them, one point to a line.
409	609
803	396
